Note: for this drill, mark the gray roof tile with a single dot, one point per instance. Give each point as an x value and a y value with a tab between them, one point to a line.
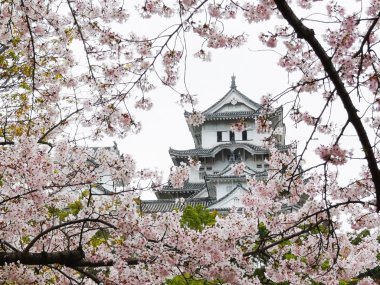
169	205
188	187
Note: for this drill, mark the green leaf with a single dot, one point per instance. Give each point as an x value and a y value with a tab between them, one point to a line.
187	279
325	265
71	209
263	231
285	243
289	256
197	218
359	238
75	207
100	237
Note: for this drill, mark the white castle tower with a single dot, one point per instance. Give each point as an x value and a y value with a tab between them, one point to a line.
218	148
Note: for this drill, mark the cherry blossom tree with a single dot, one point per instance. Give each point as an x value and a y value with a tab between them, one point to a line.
68	75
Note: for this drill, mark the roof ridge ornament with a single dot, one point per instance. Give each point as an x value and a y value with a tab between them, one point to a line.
233	82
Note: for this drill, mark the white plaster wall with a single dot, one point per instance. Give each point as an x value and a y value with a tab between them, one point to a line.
219	165
222	189
209	130
194	176
232	201
255	138
209	136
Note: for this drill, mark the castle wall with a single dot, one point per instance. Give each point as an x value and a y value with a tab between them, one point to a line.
210	129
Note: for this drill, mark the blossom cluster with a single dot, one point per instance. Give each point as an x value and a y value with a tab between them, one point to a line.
194	164
259	12
144	104
179	175
333	154
239	126
216	39
196	119
188	99
170	61
238	168
263	124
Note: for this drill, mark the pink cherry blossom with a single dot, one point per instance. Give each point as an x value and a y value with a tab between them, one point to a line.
196	119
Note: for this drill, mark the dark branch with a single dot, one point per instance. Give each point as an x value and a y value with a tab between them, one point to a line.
67	258
70	258
304	32
367	35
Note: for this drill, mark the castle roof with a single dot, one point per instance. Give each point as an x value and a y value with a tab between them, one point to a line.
187	187
235	115
169	205
234	105
233	96
206	152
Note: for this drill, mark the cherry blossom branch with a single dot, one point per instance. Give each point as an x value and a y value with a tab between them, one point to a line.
307	34
34	65
305	218
88	274
263	249
63	273
71	258
86	220
68	258
82	38
63	121
367	35
165	44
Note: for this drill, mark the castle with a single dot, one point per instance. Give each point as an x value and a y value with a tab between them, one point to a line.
218	147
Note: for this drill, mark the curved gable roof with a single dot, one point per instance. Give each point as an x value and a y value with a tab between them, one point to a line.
233	95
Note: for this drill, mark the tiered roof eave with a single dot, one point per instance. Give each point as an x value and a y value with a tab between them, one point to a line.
211	152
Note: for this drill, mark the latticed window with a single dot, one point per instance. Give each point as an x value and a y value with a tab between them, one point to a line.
244	135
232	136
219	137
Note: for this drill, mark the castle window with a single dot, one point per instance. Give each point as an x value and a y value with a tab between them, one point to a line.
209	168
232	136
218	136
244	135
259	166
